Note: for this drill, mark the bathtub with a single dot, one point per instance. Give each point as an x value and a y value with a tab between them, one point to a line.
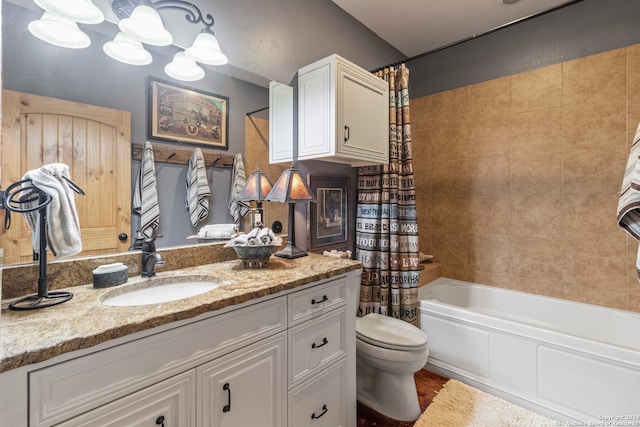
563	359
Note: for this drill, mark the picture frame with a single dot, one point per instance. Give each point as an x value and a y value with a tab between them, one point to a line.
186	115
329	222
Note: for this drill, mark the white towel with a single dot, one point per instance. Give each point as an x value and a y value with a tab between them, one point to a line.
197	188
629	201
145	193
62	226
237	209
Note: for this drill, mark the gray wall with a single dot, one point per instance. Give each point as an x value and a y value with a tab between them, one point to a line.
578	30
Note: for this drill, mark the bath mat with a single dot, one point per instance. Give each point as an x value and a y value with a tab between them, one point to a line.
460	405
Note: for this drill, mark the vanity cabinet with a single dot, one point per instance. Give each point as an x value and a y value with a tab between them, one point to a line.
343	113
280	360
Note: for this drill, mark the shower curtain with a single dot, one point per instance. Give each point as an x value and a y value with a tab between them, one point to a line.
386	222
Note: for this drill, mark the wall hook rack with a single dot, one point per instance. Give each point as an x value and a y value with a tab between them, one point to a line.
181	156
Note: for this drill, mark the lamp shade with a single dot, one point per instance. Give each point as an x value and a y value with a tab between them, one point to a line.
127	50
145	25
82	11
206	50
183	68
59	31
257	187
291	187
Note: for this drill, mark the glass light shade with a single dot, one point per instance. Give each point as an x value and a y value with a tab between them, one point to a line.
82	11
183	68
206	50
291	187
59	31
125	49
256	188
145	25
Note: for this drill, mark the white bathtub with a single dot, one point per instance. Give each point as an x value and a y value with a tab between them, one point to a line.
563	359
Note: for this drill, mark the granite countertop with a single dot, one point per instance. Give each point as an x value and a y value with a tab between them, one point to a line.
34	336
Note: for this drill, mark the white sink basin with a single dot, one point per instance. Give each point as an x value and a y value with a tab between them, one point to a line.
159	290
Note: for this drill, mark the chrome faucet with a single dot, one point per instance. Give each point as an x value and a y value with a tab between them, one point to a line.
150	258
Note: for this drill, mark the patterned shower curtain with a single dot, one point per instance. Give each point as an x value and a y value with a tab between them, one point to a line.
386	223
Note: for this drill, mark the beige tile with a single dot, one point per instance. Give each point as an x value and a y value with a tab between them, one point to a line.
536	131
490	279
633	299
594	78
489	214
537	89
451	250
448	141
590	218
600	124
450	177
633	122
536	173
608	298
593	170
489	176
534	258
490	253
420	117
424	240
449	106
421	147
490	134
455	272
537	286
537	215
423	207
632	255
487	97
600	264
450	213
633	73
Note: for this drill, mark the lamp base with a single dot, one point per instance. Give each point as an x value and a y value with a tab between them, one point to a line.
291	252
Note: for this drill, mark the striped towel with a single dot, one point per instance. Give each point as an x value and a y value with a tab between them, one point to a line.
63	226
145	193
237	209
629	201
197	188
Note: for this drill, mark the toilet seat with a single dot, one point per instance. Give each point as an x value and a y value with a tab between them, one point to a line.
388	332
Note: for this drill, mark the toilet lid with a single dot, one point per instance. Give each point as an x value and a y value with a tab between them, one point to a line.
388	332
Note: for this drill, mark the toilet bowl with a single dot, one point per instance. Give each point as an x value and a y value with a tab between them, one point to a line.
388	353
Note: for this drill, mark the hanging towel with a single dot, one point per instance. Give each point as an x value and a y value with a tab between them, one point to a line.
629	201
145	193
62	225
237	209
197	188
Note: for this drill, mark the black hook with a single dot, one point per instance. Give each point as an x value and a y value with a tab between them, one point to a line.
173	154
215	162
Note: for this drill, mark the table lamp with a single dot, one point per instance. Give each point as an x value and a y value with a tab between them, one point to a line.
256	190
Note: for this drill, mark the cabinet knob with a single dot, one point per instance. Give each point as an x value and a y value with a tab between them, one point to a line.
324	411
160	421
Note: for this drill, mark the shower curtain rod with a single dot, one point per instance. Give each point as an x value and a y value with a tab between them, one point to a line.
475	36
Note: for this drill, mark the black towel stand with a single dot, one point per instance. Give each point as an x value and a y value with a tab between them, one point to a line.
15	197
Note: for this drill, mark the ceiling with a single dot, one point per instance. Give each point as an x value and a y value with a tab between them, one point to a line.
417	26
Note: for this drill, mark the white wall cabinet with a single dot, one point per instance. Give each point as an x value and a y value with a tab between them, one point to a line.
280	123
270	363
343	113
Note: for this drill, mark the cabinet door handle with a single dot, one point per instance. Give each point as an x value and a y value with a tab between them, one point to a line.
324	299
160	421
324	411
325	341
346	133
227	407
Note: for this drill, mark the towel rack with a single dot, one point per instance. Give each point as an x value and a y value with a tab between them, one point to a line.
181	156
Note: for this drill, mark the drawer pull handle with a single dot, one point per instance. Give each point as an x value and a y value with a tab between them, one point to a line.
325	341
227	407
346	133
160	421
324	299
324	411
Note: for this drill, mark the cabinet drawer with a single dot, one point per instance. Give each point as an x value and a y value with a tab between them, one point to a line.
172	399
321	400
316	301
67	389
316	344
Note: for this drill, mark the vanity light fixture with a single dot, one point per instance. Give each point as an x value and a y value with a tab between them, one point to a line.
290	188
255	190
59	31
128	50
184	68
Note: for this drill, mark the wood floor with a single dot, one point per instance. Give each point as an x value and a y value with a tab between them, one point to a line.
427	383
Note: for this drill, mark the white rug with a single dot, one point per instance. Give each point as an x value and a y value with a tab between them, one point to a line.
460	405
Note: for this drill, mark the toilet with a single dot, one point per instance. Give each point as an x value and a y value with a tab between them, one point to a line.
389	352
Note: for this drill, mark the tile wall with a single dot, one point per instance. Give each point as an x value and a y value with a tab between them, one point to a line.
523	177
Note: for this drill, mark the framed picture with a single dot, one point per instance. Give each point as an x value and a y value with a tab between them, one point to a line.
182	114
329	220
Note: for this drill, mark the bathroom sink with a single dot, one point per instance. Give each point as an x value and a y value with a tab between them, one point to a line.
158	290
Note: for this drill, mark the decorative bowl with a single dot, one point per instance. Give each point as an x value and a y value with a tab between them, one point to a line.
254	251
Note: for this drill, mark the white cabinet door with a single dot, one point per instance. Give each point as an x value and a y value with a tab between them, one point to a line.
280	123
170	403
245	388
